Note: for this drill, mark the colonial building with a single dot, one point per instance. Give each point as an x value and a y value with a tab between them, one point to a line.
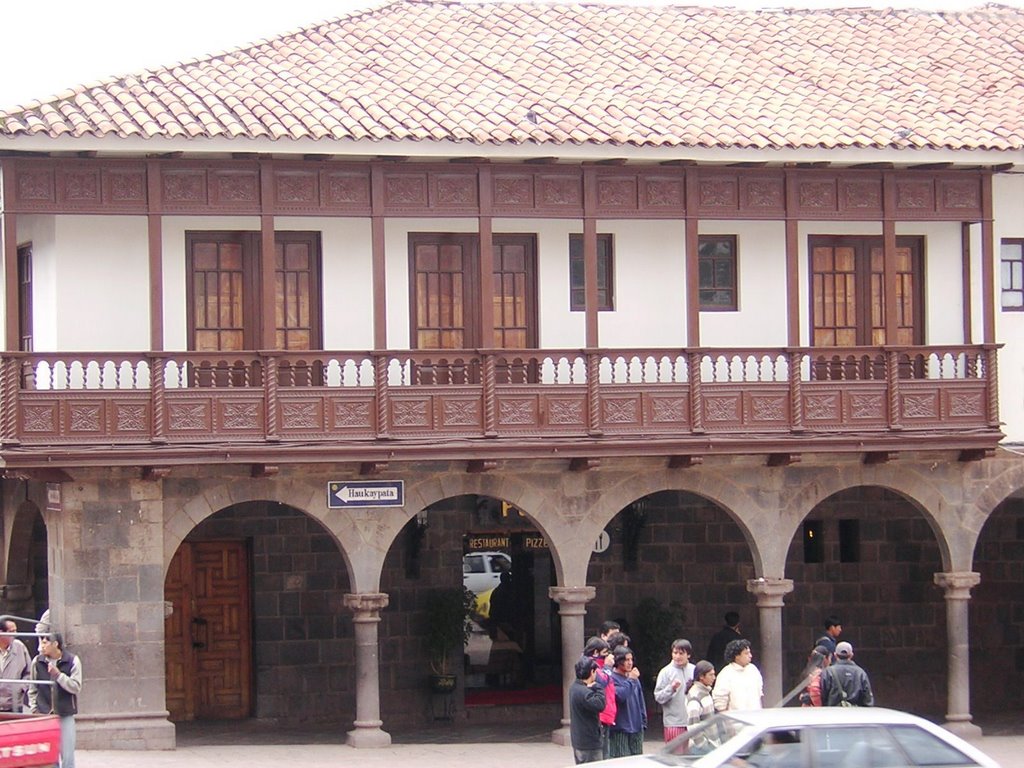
675	310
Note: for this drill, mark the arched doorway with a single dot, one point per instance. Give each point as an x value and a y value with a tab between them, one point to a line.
868	556
257	620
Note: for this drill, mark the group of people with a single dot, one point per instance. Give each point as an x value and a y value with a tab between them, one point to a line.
608	713
27	692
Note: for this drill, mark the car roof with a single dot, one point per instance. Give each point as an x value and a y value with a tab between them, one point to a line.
795	716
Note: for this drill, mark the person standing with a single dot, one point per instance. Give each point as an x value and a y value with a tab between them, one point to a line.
14	665
586	702
670	689
845	684
699	703
626	736
817	662
739	685
833	629
598	650
64	669
728	633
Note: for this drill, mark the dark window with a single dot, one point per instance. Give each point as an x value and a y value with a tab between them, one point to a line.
605	273
716	262
849	541
25	297
1011	257
814	541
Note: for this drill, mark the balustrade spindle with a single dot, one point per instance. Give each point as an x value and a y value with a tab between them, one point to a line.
892	360
594	394
270	368
382	386
992	384
796	415
11	385
158	401
696	402
490	397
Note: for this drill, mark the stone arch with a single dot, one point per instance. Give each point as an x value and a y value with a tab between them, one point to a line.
423	493
921	493
717	487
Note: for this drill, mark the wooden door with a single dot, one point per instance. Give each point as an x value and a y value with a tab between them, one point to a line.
208	634
848	298
444	278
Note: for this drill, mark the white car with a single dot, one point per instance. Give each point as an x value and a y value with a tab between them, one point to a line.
481	571
813	737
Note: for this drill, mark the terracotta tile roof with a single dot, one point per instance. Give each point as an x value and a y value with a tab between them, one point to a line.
588	73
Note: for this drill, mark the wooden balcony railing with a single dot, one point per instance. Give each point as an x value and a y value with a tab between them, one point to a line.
61	399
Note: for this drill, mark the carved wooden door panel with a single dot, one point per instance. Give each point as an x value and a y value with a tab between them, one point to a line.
209	644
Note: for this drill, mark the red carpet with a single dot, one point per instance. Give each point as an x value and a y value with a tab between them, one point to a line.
490	697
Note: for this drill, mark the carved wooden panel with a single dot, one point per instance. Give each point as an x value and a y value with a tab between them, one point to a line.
617	193
718	193
296	189
230	188
405	192
305	415
459	413
240	415
765	409
663	194
346	190
411	412
35	184
723	410
916	195
565	411
125	187
817	195
183	187
762	195
961	196
451	191
915	406
79	185
861	196
351	414
668	412
967	403
621	410
517	413
512	190
560	192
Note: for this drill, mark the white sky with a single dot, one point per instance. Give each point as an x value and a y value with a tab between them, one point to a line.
50	45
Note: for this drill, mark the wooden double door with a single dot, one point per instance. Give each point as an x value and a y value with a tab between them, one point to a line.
848	291
208	636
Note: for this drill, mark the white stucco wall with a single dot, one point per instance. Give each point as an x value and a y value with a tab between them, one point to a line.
1008	204
90	282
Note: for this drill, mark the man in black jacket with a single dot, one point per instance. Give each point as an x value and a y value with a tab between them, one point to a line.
844	684
586	702
728	633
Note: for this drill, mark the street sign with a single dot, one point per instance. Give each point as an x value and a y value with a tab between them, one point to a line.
346	494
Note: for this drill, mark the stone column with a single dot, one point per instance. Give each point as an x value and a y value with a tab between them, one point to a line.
572	607
366	608
769	594
957	586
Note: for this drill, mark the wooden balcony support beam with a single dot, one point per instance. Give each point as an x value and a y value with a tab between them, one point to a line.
264	470
476	466
372	467
782	459
155	473
583	464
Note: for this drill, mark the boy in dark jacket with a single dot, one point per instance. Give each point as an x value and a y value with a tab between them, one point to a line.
844	684
586	701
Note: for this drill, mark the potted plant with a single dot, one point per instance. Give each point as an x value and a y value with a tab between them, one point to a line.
448	626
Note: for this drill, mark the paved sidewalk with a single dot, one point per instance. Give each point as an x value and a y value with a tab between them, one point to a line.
1008	750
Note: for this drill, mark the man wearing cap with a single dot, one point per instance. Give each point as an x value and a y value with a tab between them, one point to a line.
844	684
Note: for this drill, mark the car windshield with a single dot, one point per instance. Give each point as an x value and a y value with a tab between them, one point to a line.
700	739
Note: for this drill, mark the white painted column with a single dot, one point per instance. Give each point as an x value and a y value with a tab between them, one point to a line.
572	607
768	657
957	586
366	608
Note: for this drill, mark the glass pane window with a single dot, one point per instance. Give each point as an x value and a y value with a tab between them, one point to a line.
716	268
1011	273
605	274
